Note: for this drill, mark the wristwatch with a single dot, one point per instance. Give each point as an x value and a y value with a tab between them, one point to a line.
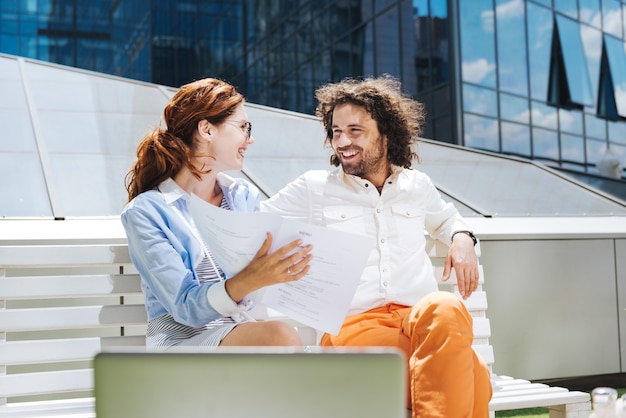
468	233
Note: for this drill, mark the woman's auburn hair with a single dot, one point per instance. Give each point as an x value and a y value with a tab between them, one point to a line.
164	151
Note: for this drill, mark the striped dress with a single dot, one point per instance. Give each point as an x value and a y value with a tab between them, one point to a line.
164	332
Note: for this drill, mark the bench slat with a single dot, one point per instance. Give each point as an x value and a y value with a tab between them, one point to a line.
25	384
75	408
48	351
527	390
538	400
485	351
38	319
38	287
482	328
476	302
15	256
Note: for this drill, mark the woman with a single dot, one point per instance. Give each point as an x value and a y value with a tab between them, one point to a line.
188	300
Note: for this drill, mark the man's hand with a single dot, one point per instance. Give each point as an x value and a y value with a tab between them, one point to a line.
462	257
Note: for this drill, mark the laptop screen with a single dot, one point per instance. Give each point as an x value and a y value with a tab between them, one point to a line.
246	384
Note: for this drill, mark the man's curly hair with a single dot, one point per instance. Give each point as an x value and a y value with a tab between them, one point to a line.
397	115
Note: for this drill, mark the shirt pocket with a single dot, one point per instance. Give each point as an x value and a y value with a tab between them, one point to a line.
345	218
409	226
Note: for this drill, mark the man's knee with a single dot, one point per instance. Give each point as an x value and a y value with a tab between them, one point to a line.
443	310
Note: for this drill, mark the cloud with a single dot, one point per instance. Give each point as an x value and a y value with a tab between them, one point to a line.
476	71
592	42
613	22
481	132
591	16
486	17
511	9
547	118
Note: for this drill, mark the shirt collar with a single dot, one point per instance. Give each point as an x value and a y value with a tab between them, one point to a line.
356	181
171	191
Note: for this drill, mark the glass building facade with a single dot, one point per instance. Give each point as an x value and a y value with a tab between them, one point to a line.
544	79
539	79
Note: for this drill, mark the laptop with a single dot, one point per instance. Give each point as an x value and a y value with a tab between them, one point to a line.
251	384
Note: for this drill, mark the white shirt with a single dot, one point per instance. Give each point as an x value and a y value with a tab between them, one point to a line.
398	269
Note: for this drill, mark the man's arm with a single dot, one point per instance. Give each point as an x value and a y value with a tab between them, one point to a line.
292	201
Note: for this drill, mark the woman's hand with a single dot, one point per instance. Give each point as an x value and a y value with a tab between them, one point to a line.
288	263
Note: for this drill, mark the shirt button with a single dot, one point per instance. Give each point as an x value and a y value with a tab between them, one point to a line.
385	284
382	240
343	216
378	210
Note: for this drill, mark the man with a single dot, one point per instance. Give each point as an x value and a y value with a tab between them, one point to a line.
371	127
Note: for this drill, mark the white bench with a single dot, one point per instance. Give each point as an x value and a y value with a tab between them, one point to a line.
62	304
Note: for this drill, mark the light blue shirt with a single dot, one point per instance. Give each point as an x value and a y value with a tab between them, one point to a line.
166	252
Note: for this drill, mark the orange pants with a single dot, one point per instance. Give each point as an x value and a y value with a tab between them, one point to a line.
446	378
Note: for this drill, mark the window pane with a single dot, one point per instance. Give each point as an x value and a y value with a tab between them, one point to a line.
387	43
595	127
431	51
440	42
575	63
571	121
624	18
545	144
439	9
367	42
617	63
572	148
515	138
617	132
590	12
443	129
568	7
441	100
543	115
510	21
595	151
477	42
480	132
480	100
539	41
612	17
422	44
342	59
514	108
382	4
592	46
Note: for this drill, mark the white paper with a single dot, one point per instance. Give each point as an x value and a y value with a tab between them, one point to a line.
320	299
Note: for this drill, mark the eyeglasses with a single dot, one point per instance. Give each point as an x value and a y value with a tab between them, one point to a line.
244	125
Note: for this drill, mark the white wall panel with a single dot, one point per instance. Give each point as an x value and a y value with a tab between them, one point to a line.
552	306
620	257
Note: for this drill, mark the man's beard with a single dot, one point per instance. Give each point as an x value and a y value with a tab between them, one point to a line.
370	162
